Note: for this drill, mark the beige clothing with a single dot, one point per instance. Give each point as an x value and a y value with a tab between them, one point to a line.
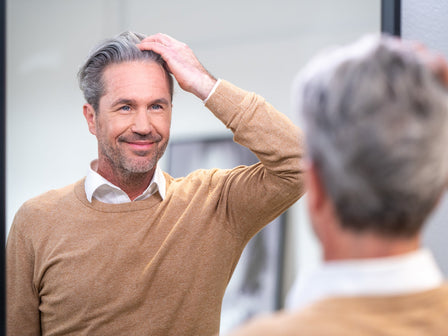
424	313
153	267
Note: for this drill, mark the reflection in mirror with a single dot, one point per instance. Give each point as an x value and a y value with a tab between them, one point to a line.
259	46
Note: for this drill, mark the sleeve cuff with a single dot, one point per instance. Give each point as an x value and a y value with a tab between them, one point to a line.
212	91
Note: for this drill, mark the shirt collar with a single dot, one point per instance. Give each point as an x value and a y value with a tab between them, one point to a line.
405	274
104	191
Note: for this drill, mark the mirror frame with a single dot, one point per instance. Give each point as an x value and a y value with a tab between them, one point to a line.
390	23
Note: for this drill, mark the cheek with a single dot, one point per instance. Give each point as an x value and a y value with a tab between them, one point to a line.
113	128
162	125
166	129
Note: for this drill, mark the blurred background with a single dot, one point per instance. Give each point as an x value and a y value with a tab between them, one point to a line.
257	45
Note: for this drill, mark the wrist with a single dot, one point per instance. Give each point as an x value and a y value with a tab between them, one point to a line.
212	91
204	90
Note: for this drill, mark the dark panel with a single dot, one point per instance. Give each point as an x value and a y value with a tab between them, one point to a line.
391	17
2	159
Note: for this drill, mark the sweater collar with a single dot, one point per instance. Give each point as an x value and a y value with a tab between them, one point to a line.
96	186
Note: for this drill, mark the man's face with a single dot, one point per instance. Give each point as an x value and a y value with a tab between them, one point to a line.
132	124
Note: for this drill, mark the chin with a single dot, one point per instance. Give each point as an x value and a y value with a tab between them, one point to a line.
139	167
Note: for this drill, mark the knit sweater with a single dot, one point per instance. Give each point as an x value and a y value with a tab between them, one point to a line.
152	267
424	313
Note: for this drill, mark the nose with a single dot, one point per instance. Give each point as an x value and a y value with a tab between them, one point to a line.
142	122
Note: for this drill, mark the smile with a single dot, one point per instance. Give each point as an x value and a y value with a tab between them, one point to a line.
141	146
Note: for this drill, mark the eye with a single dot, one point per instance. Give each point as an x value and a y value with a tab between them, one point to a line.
125	108
156	107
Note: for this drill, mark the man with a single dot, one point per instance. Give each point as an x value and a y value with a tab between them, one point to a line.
129	250
376	129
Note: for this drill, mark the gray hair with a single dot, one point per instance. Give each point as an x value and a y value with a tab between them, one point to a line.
119	49
376	122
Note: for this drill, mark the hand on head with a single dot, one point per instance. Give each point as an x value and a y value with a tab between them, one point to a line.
435	61
182	63
439	66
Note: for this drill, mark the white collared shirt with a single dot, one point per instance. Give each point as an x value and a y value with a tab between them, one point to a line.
405	274
101	189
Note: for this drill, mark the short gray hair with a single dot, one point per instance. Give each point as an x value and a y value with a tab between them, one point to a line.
122	48
376	122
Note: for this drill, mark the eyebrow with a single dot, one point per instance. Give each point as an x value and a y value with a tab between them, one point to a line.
162	101
125	101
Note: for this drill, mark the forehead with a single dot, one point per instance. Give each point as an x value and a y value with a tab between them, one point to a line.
138	76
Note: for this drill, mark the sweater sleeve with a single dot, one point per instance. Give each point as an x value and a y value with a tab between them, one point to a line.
256	195
22	304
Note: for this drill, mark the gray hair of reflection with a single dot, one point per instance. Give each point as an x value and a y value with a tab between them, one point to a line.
120	49
376	124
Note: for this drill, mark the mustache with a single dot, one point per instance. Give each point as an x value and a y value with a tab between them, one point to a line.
135	137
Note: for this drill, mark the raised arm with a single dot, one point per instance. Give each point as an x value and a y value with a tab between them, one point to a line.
247	197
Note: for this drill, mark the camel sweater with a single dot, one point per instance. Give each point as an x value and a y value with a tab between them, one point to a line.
420	314
152	267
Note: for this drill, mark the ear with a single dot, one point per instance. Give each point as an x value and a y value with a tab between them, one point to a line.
319	205
317	195
89	114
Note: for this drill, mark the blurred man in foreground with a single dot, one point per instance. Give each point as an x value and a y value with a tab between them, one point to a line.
376	121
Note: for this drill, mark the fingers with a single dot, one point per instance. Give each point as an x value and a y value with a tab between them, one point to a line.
157	47
159	40
435	61
166	46
154	44
161	44
181	62
439	67
437	64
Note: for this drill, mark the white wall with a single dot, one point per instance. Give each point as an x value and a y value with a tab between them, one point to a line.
427	21
258	45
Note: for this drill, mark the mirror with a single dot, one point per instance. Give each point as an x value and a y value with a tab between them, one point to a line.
257	45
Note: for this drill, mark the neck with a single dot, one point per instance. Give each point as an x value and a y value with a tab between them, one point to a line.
369	245
133	184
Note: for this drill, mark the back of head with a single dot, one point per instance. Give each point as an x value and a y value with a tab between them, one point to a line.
376	122
120	49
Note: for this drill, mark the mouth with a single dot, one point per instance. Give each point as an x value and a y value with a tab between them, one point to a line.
140	146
